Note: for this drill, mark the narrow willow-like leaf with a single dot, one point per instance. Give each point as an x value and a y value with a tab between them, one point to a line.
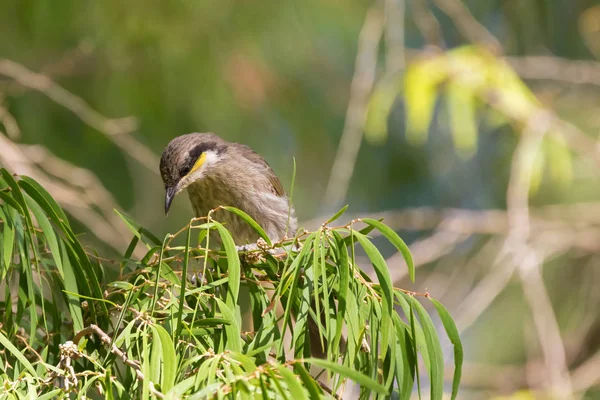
16	193
418	336
314	390
436	369
43	202
181	388
157	367
233	266
350	239
405	359
275	382
232	330
414	343
300	339
296	390
137	229
321	271
396	241
288	307
169	359
146	366
385	282
337	215
158	274
8	242
48	231
461	105
253	224
454	337
420	92
378	110
50	395
70	282
186	261
294	269
349	373
344	284
11	202
58	211
17	354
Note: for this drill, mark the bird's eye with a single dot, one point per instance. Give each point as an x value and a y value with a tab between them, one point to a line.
185	170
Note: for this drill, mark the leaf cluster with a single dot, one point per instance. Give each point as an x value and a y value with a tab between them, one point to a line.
68	330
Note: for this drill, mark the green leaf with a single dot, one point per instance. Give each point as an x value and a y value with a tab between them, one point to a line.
232	330
349	373
184	274
434	348
138	230
50	395
8	242
48	231
461	106
169	368
454	337
396	241
378	110
337	215
233	266
405	359
348	240
180	389
57	210
70	282
248	219
385	282
309	382
11	202
421	82
17	354
344	275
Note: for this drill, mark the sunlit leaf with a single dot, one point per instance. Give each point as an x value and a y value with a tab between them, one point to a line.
461	106
454	337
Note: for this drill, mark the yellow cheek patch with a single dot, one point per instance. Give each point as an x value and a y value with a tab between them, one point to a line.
198	163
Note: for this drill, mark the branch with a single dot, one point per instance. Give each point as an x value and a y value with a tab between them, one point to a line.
117	130
362	85
529	261
119	353
467	25
556	69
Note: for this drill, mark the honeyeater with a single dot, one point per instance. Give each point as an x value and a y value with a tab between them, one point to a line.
220	173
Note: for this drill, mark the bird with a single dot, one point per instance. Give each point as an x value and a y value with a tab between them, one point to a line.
216	173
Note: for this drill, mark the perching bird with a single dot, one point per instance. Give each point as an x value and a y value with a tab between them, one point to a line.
219	173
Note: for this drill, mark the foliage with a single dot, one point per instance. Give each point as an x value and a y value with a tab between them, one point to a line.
67	330
475	85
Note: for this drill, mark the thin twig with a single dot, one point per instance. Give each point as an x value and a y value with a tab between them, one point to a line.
117	352
117	130
468	26
556	69
361	87
530	261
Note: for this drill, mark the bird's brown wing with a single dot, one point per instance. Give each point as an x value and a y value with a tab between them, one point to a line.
276	184
257	159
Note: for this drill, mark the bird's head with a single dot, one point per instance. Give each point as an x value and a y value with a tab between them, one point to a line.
188	158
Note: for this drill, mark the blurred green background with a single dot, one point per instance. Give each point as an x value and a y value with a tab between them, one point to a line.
279	76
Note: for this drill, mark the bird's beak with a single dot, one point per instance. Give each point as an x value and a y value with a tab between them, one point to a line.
169	196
